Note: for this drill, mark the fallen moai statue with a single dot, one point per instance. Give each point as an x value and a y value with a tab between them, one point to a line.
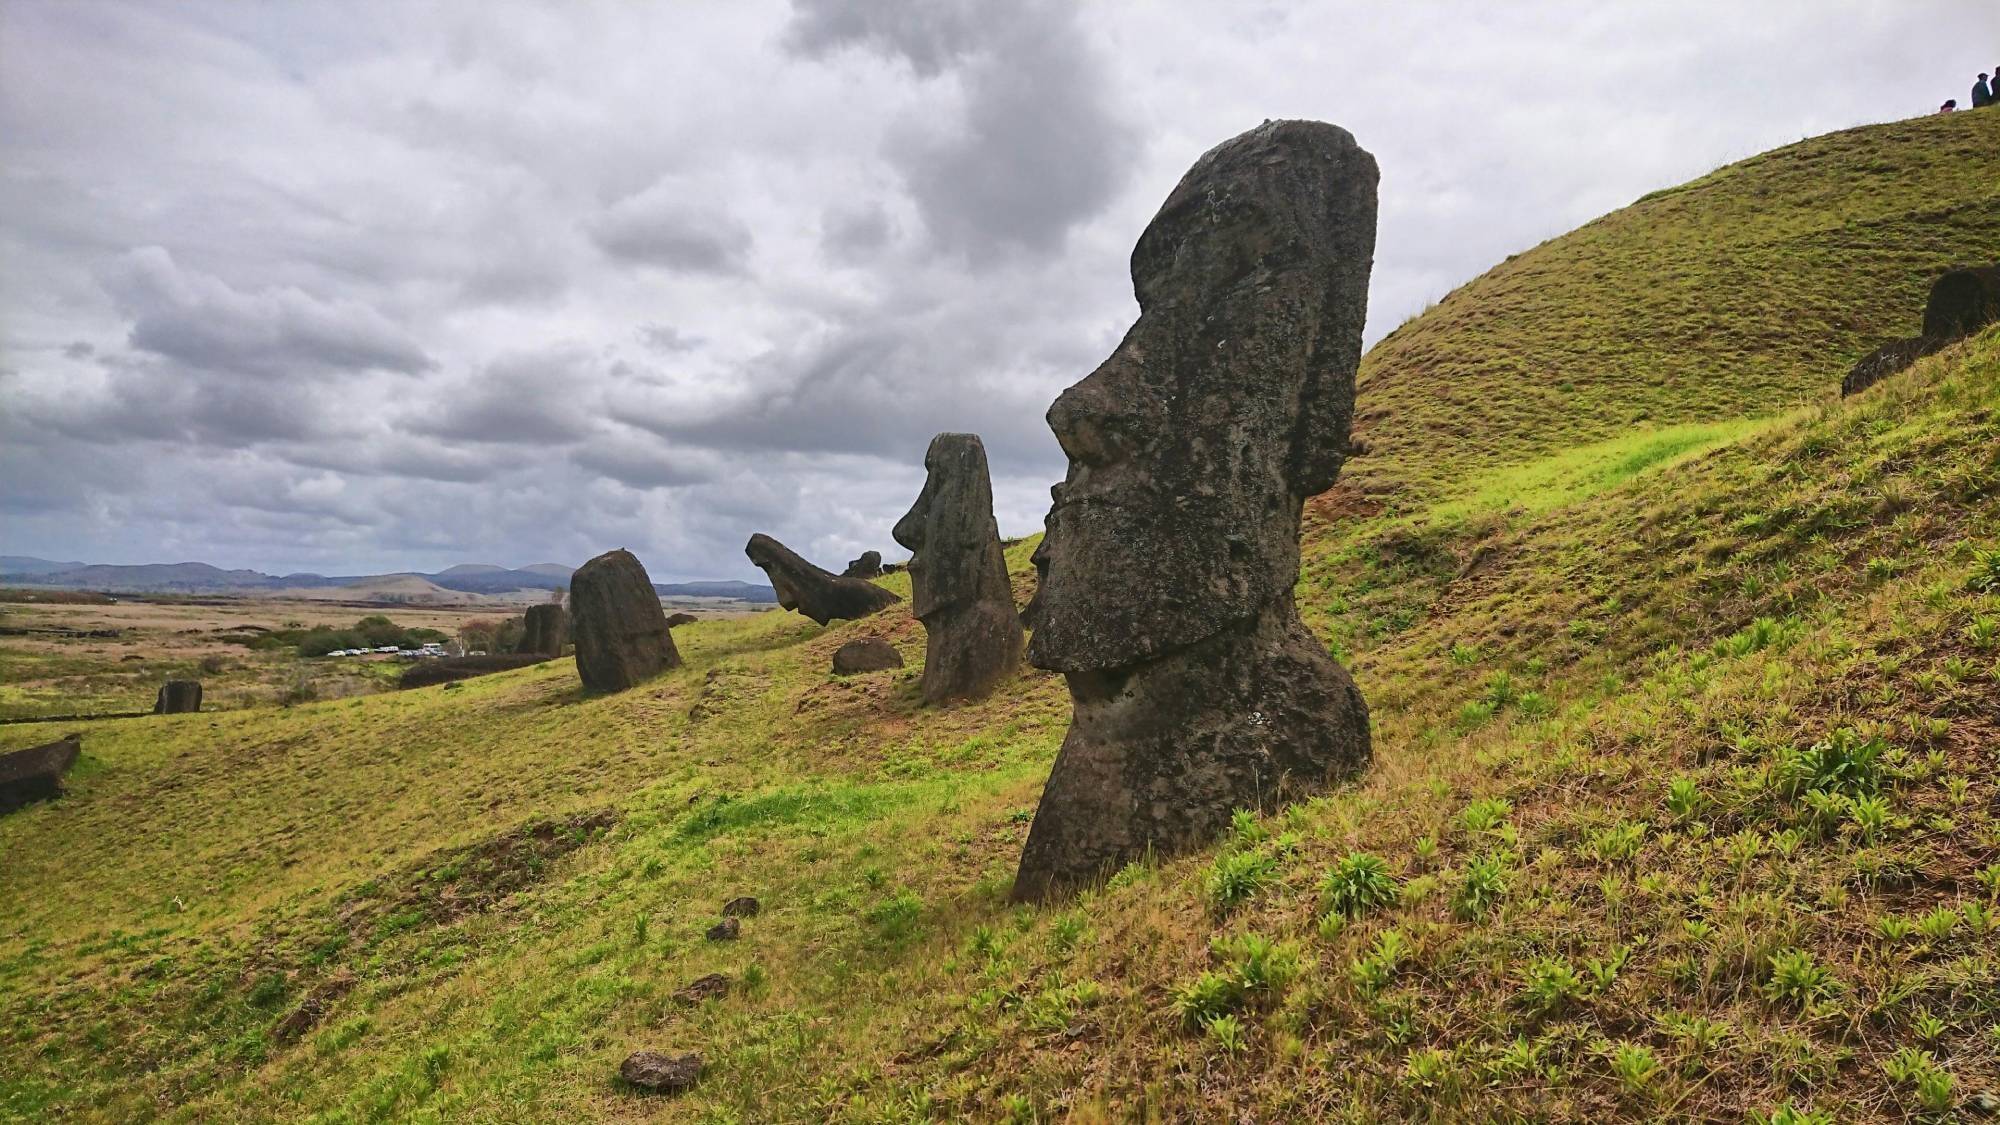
36	774
803	587
1961	303
869	565
178	697
1172	546
676	620
958	574
620	629
544	628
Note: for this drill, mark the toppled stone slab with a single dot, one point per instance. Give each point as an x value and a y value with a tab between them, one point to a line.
178	697
36	773
661	1073
450	669
807	589
958	575
869	565
1172	547
621	630
544	630
866	654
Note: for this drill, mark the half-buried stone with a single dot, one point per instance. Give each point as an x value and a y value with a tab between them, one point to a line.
803	587
178	697
544	628
865	654
621	631
36	774
1173	544
958	574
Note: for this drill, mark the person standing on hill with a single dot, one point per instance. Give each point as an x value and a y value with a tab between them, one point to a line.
1982	95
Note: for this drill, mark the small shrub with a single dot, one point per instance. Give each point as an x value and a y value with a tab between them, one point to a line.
1796	977
1228	1034
1984	633
1550	985
1464	655
1358	884
1635	1065
1620	842
1259	964
1683	797
1483	884
1485	814
1238	875
1985	576
1500	691
1210	996
1845	761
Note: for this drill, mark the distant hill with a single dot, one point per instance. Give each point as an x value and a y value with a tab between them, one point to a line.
201	578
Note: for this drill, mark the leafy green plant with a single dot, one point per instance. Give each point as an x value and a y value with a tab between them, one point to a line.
1227	1033
1485	814
1464	655
1984	633
1371	972
1846	761
1358	883
1550	985
1207	997
1259	964
1483	884
1621	841
1791	1114
1683	797
1238	875
1985	576
1939	923
1870	814
1500	691
1635	1065
1797	977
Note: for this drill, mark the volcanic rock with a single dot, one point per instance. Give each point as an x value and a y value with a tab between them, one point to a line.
869	565
1166	576
958	574
701	989
729	929
742	906
621	631
36	773
676	620
1961	302
661	1074
867	654
806	588
544	629
178	697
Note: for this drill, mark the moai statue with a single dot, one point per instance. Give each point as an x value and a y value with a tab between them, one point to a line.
958	575
806	588
1173	544
621	631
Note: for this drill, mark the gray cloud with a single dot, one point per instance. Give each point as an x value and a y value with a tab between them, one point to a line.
370	286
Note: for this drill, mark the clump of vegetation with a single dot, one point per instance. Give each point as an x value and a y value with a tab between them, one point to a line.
371	632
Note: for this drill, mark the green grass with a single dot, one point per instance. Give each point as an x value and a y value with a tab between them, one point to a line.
1719	842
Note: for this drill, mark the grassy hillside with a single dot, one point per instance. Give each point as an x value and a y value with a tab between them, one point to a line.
1683	806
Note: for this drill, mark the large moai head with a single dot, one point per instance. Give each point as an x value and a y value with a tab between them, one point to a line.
1229	402
954	542
621	630
807	589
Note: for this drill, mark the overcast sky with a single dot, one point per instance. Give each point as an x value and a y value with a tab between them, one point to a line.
356	288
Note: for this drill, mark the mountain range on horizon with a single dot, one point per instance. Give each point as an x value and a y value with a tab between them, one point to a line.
200	577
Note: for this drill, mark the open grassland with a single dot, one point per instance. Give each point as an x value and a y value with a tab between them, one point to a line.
67	656
1684	807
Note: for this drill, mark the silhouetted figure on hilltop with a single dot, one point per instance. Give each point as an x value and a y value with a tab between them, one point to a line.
1949	105
1982	94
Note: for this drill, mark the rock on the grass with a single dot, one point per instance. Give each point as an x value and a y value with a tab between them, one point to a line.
178	697
676	620
36	774
661	1073
865	654
729	929
544	628
803	587
621	631
713	986
742	906
1961	302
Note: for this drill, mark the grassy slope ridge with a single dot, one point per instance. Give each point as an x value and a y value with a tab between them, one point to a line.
1601	658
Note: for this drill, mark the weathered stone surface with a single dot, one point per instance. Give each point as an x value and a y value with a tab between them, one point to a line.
1883	362
676	620
661	1073
1165	592
869	565
958	574
806	588
702	989
729	929
621	631
36	773
1961	302
178	697
865	654
544	629
742	906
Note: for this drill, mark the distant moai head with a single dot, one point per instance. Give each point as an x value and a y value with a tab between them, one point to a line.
950	529
1193	447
